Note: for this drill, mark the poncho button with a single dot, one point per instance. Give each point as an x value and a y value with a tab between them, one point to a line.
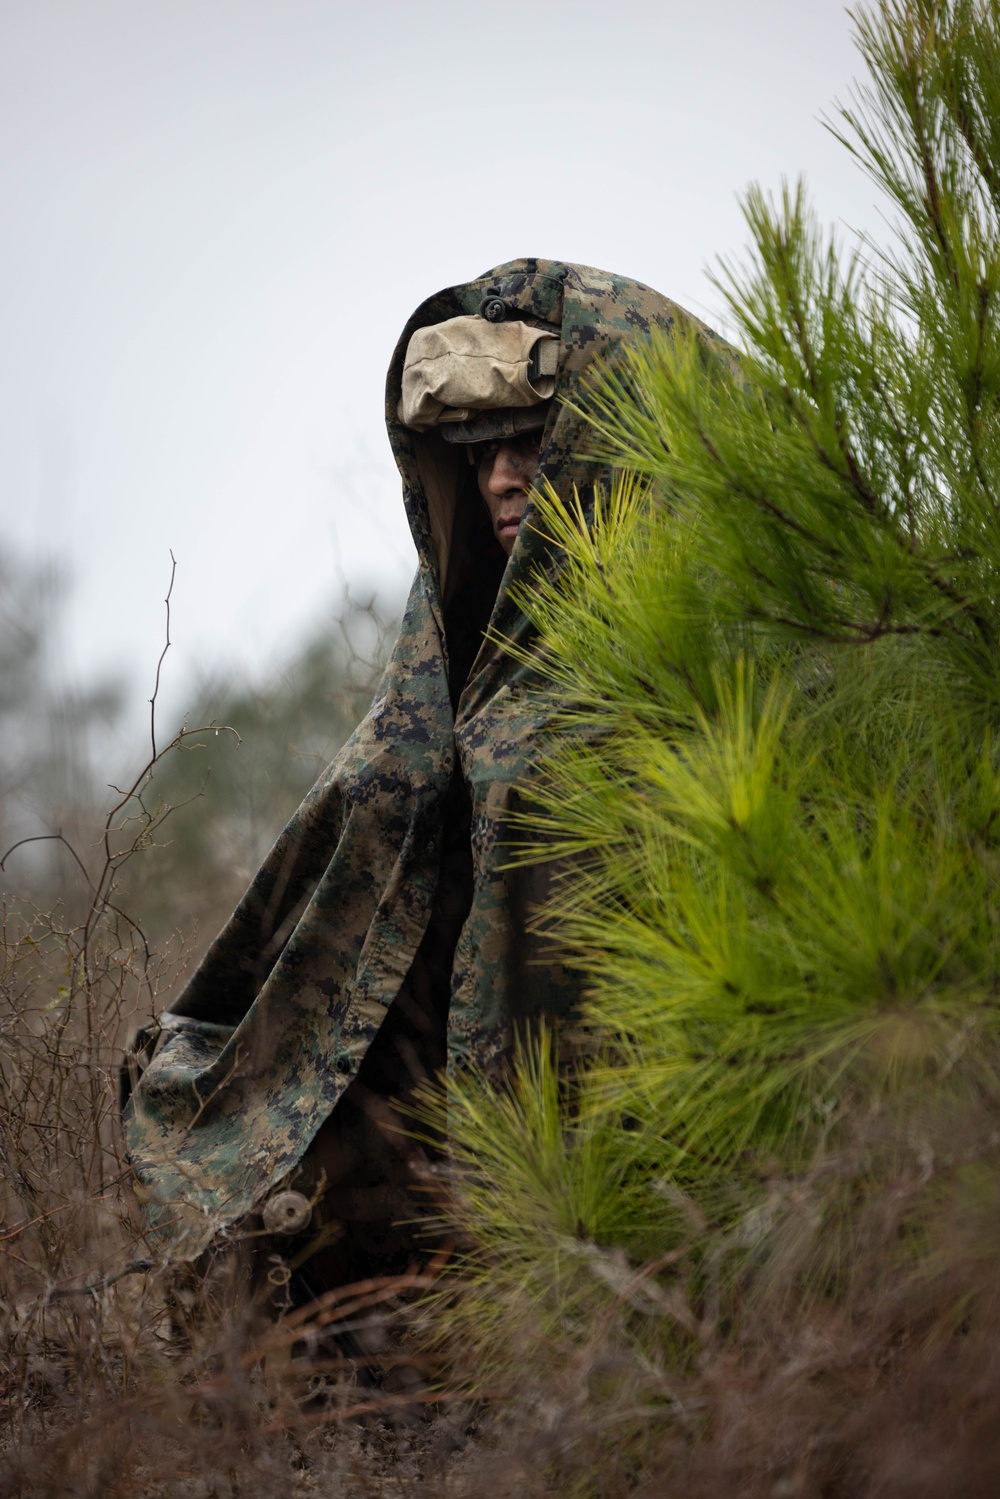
493	307
343	1064
286	1213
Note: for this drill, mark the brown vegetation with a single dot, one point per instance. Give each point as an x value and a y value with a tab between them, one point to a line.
124	1376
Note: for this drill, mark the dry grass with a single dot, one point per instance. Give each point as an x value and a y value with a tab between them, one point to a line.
123	1376
826	1360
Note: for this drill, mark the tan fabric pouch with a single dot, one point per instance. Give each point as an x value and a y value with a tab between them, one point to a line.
467	364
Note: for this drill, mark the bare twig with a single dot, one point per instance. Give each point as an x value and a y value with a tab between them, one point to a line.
91	1287
159	664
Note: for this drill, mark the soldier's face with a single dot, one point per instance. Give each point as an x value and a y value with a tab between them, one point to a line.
505	470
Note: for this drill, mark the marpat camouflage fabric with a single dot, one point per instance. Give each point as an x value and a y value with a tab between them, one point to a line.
254	1055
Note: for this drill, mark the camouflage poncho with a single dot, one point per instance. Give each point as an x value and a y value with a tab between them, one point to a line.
409	823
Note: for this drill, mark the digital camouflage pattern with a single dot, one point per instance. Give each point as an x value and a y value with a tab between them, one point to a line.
254	1055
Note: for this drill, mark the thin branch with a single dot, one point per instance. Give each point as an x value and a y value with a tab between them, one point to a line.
50	838
932	201
91	1287
21	1228
159	664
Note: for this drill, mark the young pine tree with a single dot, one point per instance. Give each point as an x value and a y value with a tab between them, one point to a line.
776	647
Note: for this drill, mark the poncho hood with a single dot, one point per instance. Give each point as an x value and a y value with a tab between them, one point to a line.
275	1022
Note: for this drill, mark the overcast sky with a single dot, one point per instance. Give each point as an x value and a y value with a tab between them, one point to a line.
217	215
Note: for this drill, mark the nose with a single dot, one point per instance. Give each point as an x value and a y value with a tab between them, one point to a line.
510	471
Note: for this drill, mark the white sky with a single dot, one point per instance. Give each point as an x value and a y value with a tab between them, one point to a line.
217	215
